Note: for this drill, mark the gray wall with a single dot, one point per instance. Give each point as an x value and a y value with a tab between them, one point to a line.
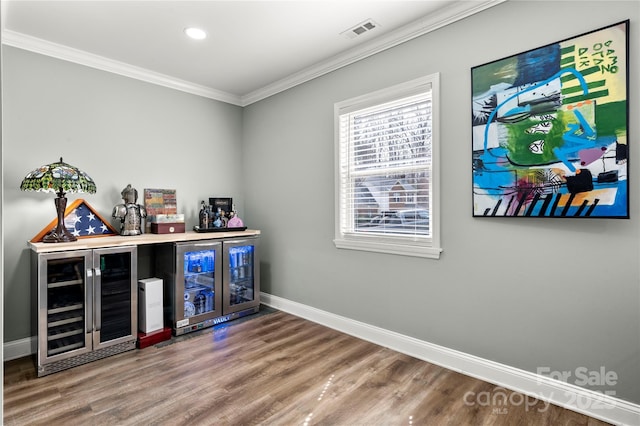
116	129
529	293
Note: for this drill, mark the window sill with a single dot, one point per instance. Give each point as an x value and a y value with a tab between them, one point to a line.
397	248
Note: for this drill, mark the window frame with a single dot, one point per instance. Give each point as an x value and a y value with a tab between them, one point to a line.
393	244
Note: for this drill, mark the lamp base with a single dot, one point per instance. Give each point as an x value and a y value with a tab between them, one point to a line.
59	234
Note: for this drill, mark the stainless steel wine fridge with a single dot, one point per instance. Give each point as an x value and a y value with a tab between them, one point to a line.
85	305
209	281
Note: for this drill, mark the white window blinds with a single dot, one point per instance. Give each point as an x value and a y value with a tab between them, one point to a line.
385	167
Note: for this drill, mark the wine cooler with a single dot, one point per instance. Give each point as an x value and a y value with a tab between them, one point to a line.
86	305
208	282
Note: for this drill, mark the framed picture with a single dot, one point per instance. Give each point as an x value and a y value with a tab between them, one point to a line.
160	201
224	204
549	130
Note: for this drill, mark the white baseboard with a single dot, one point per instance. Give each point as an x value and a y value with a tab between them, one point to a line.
19	348
594	404
572	397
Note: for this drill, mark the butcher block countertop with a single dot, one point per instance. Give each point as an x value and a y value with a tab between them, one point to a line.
136	240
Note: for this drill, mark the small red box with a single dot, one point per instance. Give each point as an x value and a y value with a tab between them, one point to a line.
167	228
145	340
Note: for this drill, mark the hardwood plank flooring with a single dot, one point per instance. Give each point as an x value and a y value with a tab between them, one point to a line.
274	369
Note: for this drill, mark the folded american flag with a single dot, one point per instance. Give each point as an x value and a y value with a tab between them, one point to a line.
84	222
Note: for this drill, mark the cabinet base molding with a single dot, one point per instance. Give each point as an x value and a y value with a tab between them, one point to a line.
214	321
54	367
149	339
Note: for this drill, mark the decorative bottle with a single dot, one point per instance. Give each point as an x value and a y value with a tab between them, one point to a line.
204	216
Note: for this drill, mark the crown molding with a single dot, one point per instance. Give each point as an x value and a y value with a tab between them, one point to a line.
454	12
443	17
59	51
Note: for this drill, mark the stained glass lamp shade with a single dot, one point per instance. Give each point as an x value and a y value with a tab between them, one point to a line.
58	178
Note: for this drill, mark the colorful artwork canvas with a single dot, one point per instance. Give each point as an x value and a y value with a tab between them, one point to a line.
550	130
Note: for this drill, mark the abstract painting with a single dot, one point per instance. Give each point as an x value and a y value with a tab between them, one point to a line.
549	130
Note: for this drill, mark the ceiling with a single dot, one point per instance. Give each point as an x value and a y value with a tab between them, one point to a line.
253	50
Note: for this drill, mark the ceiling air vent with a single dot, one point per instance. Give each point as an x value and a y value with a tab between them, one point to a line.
360	29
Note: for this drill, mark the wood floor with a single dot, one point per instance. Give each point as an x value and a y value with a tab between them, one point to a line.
274	369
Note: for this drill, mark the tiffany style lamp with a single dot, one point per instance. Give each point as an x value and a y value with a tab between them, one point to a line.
59	178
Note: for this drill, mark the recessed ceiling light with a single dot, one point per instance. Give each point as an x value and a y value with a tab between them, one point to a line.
195	33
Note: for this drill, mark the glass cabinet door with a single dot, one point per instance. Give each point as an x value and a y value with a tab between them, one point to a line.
197	283
242	283
115	295
241	271
63	297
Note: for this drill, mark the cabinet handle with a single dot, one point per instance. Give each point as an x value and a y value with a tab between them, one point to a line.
228	242
88	303
211	245
98	299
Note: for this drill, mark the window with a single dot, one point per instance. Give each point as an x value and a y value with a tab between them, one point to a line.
387	170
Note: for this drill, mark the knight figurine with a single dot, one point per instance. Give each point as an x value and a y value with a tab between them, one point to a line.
130	213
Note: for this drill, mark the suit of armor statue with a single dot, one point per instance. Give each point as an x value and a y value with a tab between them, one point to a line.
130	213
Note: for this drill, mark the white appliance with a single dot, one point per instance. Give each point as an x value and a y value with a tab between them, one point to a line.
150	305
